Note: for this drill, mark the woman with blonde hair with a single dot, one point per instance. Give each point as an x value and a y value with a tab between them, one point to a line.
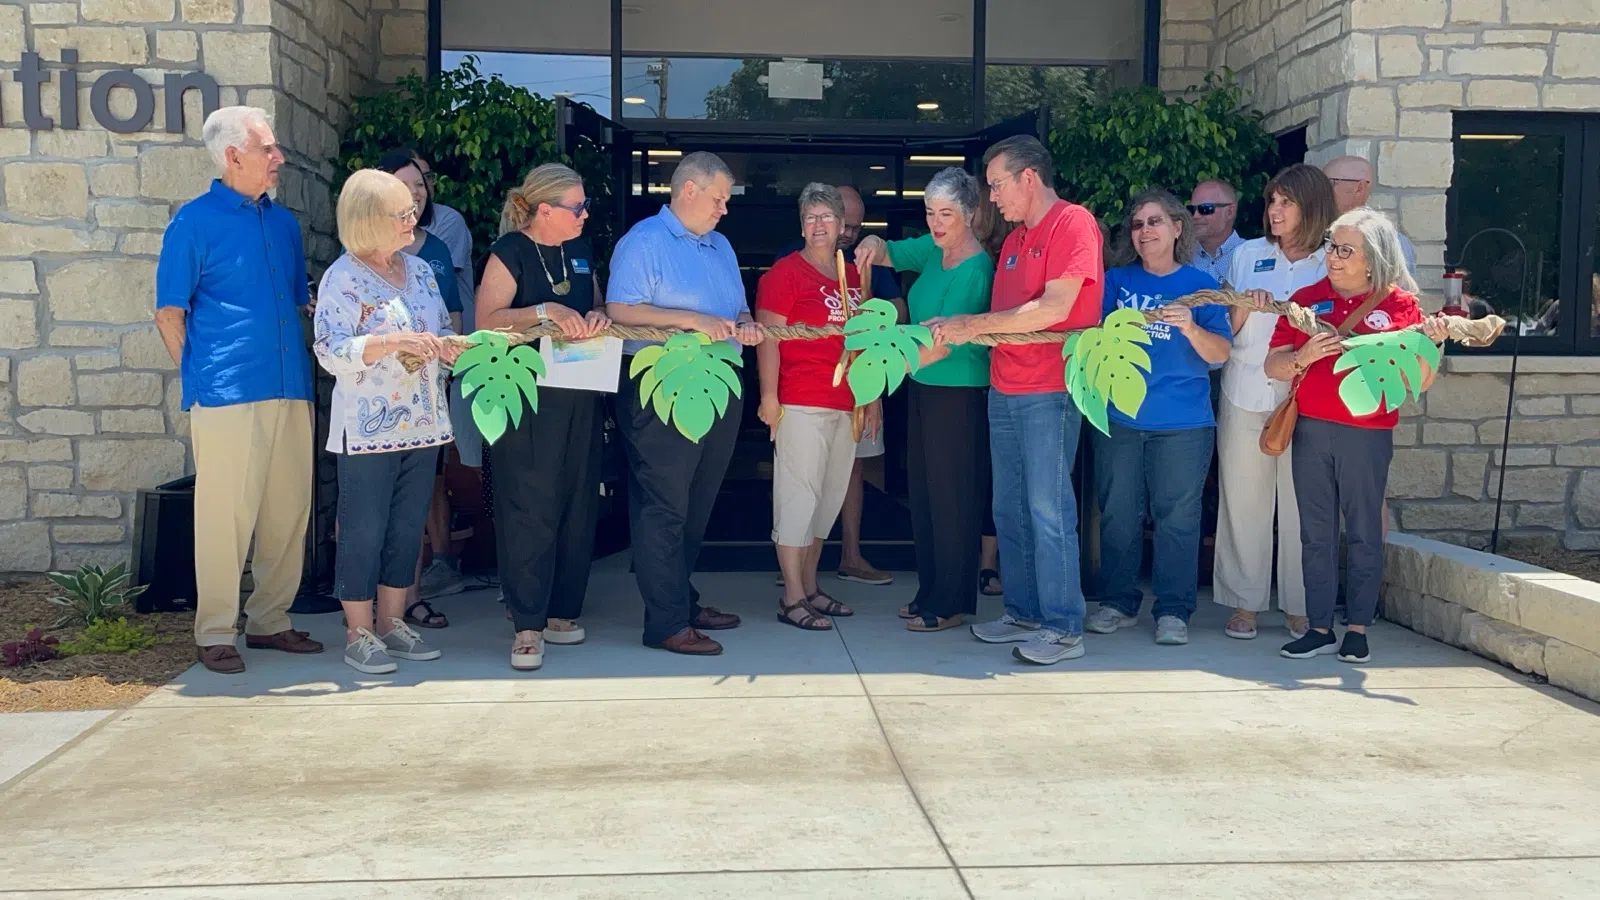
375	302
547	468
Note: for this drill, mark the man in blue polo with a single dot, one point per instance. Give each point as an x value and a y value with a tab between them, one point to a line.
674	270
229	292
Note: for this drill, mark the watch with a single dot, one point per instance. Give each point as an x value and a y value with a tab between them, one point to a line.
538	310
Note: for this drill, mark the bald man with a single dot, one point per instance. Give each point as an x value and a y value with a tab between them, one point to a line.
1352	188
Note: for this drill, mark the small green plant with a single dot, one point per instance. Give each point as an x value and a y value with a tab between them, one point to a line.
110	636
497	377
92	594
1103	366
35	647
688	380
886	350
1387	369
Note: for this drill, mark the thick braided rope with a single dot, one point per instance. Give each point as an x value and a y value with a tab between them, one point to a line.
1470	332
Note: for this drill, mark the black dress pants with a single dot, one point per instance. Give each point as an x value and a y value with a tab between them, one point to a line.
947	449
547	497
1341	471
672	486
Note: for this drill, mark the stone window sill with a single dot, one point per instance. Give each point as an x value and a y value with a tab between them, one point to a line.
1541	365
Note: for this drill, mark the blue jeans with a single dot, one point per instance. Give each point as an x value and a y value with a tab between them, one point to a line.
1033	440
1169	469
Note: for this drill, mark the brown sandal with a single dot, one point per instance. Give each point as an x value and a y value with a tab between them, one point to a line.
828	606
933	623
808	621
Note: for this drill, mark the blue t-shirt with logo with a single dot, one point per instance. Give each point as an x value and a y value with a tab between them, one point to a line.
1179	382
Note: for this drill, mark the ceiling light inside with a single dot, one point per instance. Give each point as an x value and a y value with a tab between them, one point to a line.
950	17
1492	137
927	106
937	159
877	168
634	100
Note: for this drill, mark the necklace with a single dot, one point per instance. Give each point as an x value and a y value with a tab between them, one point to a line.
389	270
561	288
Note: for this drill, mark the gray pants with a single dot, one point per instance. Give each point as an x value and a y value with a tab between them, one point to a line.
1341	470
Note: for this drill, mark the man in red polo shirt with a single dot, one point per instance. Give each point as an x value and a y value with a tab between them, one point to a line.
1049	277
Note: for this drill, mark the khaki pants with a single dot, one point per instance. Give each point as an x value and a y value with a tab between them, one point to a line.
1251	484
253	474
811	461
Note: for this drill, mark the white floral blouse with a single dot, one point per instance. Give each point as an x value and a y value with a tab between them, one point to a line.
381	407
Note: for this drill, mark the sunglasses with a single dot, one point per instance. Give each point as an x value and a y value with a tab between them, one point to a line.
1343	251
1141	224
578	210
1206	209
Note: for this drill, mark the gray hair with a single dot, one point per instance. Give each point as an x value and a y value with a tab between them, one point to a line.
1182	251
1380	241
818	194
1024	151
700	167
955	186
230	127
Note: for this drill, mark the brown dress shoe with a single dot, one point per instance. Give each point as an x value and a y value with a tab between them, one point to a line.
289	641
221	658
713	619
690	643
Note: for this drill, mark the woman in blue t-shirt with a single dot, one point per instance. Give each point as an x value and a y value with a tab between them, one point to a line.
1163	453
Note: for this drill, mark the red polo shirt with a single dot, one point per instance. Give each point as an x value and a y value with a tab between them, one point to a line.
1319	388
796	290
1065	244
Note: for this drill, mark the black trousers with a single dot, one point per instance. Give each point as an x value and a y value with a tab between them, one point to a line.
947	462
672	486
1341	470
547	498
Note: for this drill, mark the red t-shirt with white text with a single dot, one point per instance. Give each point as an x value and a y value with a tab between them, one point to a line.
1065	244
798	291
1318	394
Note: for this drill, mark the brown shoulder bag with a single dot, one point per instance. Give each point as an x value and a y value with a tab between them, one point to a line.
1279	430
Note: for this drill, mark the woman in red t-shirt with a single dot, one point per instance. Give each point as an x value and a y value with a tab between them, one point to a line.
810	418
1341	461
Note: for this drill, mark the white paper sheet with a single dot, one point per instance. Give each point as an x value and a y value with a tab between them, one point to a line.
591	365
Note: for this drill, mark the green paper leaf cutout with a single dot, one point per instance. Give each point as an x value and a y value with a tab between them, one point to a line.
1106	366
498	379
885	350
1385	370
688	381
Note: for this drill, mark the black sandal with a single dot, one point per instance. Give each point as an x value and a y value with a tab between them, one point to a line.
926	623
909	611
833	607
986	576
430	619
809	620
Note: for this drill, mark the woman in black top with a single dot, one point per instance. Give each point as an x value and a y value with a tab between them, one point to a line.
547	469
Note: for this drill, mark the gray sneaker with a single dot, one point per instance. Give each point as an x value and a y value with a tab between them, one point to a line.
1005	630
1048	646
403	643
1172	630
440	579
366	654
1107	619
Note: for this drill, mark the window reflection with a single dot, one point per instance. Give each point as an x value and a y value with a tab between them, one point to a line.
586	79
1511	181
771	89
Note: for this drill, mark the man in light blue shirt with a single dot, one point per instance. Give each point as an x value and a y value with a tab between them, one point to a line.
674	270
1214	205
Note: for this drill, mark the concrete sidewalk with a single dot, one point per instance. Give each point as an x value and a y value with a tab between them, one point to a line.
870	762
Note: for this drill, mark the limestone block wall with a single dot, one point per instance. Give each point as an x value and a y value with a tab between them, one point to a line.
88	396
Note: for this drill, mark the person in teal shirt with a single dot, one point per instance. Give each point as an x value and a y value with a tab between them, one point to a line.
947	401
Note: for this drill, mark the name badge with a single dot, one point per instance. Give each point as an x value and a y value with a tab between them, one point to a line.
580	267
1011	262
1324	308
1266	265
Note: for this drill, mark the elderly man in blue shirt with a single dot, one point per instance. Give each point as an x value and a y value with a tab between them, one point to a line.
229	291
674	270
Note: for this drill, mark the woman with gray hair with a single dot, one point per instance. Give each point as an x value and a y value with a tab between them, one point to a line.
1162	454
1341	460
810	417
948	428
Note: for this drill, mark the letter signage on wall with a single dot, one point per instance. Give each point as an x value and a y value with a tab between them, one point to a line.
32	76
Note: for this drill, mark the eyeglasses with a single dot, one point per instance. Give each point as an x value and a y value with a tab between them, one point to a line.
578	210
1206	209
404	215
995	186
821	219
432	178
1141	224
1348	180
1343	251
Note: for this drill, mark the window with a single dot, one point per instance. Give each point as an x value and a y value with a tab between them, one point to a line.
1537	176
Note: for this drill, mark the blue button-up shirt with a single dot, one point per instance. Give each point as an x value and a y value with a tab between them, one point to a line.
236	267
1217	266
661	263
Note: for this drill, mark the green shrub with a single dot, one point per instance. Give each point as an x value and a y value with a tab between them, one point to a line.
110	636
1117	143
92	594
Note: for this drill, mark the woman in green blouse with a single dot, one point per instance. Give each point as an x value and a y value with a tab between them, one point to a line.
948	430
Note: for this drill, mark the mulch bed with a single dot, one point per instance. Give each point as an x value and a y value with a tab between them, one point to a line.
100	681
1583	564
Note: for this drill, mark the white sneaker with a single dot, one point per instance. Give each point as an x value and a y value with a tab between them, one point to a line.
1107	619
366	654
1005	630
1172	630
1048	647
403	643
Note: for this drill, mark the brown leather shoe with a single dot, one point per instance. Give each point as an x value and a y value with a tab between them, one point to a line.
289	641
220	658
713	619
690	643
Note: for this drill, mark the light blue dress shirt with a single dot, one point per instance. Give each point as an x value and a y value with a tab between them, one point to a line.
661	263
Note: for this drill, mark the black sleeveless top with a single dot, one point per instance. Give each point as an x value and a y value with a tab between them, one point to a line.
521	256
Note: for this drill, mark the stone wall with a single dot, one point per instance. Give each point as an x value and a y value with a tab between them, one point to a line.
88	396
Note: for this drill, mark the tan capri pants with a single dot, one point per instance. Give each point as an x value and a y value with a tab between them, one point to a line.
1250	485
811	462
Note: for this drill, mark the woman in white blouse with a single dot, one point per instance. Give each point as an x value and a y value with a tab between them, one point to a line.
1252	485
388	425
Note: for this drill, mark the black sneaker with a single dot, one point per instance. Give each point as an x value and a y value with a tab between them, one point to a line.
1315	643
1354	649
